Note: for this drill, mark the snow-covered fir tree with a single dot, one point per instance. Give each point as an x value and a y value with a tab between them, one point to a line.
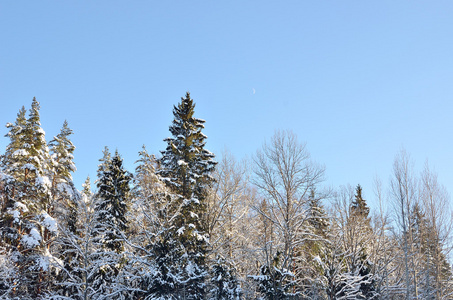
186	168
224	281
158	251
310	257
275	282
82	247
62	165
27	211
112	202
355	279
359	207
359	238
113	197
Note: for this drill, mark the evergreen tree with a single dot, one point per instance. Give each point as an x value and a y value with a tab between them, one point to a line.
317	216
62	150
332	264
82	247
11	211
112	202
147	185
358	205
225	285
12	157
186	168
159	253
275	282
64	196
12	163
64	193
314	248
27	220
113	198
358	279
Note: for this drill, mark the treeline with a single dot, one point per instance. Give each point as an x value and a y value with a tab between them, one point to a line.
183	226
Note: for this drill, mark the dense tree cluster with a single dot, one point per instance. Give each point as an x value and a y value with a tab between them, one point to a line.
183	226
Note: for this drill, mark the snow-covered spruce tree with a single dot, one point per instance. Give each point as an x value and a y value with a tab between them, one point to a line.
11	166
155	269
146	182
313	250
112	201
64	195
113	198
225	284
361	263
12	158
27	214
186	169
275	282
12	209
359	208
356	279
85	254
63	189
332	264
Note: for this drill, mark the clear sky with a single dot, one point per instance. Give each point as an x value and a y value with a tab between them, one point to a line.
356	80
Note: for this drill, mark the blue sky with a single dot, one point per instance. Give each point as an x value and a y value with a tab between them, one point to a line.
356	80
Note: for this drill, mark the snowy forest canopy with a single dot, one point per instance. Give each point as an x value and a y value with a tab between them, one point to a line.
184	226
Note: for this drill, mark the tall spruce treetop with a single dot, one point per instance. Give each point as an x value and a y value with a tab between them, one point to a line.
64	193
113	197
62	150
186	169
186	166
317	216
358	205
16	136
26	160
35	141
28	217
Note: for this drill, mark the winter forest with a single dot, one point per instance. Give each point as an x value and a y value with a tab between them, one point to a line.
188	224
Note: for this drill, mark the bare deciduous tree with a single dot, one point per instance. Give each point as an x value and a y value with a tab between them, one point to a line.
284	175
435	202
403	191
228	204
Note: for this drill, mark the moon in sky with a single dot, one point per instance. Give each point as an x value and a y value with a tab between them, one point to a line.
253	91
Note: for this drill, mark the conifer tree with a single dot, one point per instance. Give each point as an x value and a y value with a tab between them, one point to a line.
11	165
27	213
315	248
274	281
62	150
113	199
145	178
11	159
158	251
358	205
11	170
225	285
147	185
84	252
111	205
65	198
186	167
358	278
